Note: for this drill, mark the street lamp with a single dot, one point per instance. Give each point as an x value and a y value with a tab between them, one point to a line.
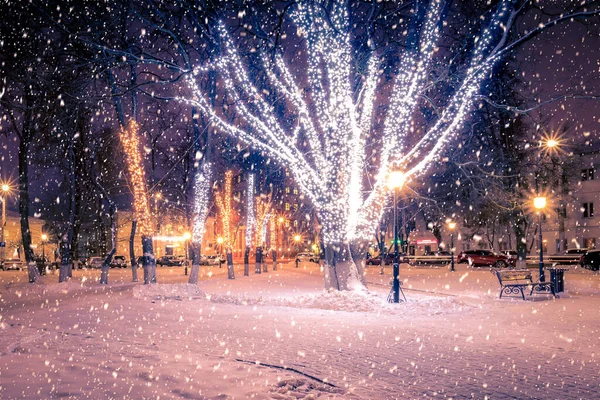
540	203
5	189
186	237
396	180
451	226
220	241
297	239
44	238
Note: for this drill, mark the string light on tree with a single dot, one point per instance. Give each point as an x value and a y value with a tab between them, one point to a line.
201	197
325	148
135	167
224	204
250	217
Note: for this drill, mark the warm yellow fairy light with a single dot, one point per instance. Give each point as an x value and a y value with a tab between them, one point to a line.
135	167
224	204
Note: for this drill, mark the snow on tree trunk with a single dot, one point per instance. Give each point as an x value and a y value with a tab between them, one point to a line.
195	253
149	263
358	250
134	264
33	272
201	208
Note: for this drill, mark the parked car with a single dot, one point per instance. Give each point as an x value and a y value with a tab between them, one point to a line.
83	262
212	260
486	258
12	263
119	262
388	259
590	260
96	262
42	264
511	253
307	257
574	251
170	261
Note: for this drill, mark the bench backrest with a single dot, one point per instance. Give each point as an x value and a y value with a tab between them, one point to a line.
514	276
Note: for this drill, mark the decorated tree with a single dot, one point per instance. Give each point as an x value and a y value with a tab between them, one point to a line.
331	132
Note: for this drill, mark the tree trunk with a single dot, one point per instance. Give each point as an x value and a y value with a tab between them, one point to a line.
358	251
341	272
265	267
247	261
65	260
32	269
195	251
113	233
230	271
257	269
521	243
274	255
134	264
149	263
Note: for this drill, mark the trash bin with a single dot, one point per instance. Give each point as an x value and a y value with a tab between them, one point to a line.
557	277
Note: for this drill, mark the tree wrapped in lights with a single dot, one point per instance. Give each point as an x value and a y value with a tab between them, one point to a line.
135	169
250	222
224	204
201	198
325	145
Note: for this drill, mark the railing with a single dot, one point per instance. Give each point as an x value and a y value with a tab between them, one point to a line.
569	259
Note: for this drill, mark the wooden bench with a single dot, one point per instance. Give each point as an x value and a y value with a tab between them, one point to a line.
513	283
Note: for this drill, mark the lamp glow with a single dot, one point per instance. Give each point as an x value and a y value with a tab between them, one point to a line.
539	202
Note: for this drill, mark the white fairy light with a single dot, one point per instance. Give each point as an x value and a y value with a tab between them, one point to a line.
325	148
250	218
201	196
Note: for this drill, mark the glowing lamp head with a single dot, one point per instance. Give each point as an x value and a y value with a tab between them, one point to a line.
396	180
297	238
5	187
44	237
451	225
220	240
280	220
539	202
187	235
550	143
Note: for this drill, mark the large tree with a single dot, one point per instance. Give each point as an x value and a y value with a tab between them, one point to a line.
329	120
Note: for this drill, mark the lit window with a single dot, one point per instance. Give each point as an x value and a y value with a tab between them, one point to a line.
287	206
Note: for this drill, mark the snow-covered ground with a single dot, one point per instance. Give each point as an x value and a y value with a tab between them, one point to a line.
279	335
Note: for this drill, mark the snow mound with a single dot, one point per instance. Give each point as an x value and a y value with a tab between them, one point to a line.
352	301
175	291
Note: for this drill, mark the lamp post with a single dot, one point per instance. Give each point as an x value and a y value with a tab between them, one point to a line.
452	225
297	239
5	189
220	241
44	238
186	237
280	220
396	180
540	203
